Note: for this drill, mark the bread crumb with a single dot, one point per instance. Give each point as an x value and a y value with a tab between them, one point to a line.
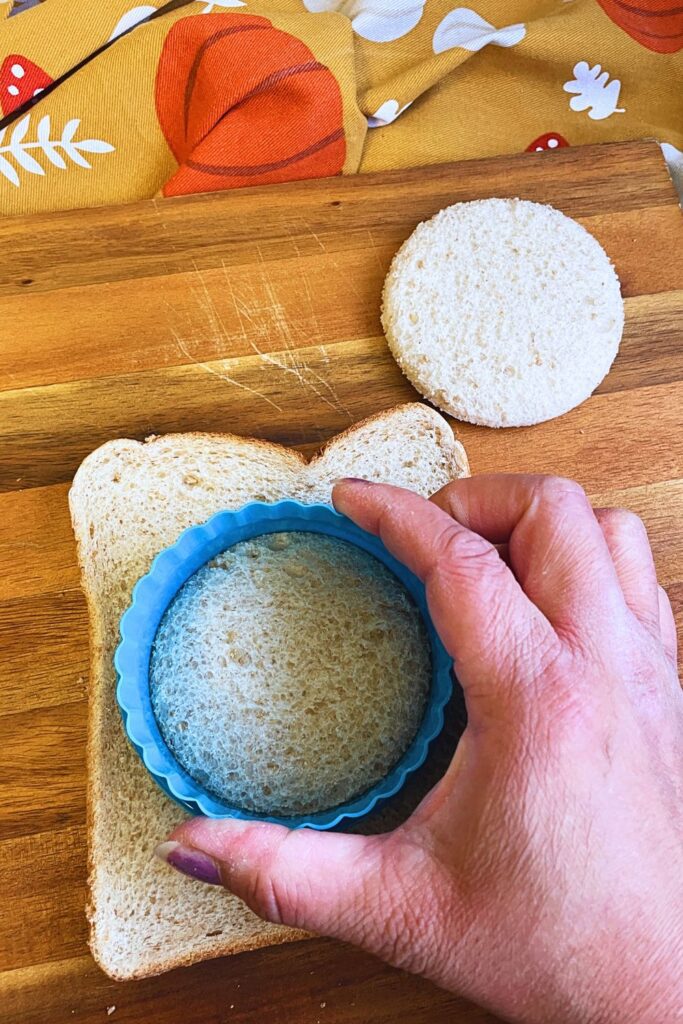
110	1010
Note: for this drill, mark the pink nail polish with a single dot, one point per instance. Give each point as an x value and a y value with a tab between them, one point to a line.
189	862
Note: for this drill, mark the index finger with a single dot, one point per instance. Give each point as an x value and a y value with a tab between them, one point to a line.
483	617
557	549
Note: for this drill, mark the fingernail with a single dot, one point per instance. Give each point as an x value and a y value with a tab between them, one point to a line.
350	480
189	862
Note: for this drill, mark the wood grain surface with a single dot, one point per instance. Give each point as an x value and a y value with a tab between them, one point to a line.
257	312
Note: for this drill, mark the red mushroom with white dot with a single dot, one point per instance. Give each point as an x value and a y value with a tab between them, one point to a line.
547	142
20	81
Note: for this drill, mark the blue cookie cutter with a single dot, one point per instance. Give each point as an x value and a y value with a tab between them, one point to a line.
152	595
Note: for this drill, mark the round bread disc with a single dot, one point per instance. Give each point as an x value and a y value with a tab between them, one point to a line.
503	312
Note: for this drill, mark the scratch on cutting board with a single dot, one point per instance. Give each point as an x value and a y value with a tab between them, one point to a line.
299	368
298	227
208	306
222	376
322	247
373	244
305	375
311	307
348	279
263	327
321	347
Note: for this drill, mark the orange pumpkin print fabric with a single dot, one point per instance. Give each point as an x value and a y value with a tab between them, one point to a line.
111	101
241	102
655	24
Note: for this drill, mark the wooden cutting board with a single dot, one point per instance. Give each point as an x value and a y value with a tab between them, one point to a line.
257	312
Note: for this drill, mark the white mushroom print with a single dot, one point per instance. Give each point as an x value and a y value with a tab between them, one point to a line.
594	91
387	113
466	29
379	21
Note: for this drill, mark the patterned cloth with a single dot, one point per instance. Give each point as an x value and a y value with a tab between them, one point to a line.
217	94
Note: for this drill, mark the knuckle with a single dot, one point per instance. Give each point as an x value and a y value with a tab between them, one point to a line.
270	890
555	489
624	521
267	898
458	548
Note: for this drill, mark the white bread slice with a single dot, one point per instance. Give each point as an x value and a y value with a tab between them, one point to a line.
130	500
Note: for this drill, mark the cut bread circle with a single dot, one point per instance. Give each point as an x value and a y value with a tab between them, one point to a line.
503	312
310	697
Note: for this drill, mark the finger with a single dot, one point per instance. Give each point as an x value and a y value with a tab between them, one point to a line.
557	549
667	626
328	883
477	606
629	547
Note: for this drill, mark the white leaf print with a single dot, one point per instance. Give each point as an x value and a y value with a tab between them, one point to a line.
132	17
94	146
70	129
8	171
466	29
48	146
379	21
73	154
26	161
387	113
20	129
22	157
594	92
18	148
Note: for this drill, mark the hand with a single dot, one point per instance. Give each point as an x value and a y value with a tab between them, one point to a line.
543	876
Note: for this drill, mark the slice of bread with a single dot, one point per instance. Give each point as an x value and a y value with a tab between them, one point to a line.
503	312
130	500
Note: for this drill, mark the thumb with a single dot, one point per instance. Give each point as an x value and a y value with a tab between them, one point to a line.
326	883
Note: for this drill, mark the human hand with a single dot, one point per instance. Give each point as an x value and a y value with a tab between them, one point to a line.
543	876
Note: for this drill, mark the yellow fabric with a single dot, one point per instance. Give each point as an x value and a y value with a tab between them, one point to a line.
180	104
